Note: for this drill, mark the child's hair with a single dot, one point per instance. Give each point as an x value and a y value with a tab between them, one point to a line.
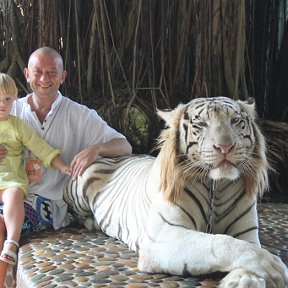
7	85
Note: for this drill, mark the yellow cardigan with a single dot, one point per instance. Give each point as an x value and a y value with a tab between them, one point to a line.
15	135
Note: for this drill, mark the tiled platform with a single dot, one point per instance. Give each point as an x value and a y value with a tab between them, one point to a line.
75	257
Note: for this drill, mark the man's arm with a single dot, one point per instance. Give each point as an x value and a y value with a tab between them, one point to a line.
115	147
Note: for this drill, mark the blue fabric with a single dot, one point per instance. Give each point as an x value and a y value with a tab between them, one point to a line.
38	214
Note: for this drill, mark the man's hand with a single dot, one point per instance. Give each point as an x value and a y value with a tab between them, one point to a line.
83	159
114	148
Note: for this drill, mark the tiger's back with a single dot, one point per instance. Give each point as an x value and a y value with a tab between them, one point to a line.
110	186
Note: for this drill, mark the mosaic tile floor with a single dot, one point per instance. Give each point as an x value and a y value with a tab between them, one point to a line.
75	257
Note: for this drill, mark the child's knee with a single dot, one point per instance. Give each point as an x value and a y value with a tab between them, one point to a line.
14	194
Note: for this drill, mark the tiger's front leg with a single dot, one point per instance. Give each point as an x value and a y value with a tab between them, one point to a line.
179	251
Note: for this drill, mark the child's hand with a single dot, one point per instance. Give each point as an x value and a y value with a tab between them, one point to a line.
66	170
58	163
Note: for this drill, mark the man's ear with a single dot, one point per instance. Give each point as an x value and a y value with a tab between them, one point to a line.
64	75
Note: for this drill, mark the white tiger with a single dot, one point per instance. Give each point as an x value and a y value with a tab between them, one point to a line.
192	209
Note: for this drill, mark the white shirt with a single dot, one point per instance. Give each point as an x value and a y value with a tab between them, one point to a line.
70	127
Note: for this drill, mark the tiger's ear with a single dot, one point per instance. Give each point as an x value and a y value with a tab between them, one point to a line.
171	117
249	107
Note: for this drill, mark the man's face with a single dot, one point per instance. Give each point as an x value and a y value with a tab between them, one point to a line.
45	75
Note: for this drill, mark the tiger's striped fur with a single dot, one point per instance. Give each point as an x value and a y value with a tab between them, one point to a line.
192	209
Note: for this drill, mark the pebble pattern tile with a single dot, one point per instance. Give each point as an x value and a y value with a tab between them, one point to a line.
75	257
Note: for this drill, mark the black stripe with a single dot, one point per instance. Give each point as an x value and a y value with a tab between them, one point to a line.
185	127
74	198
197	202
190	144
172	224
230	207
87	183
188	215
186	115
105	171
245	231
238	218
198	105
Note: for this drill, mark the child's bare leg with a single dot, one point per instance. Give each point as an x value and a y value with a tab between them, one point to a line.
2	232
3	265
14	213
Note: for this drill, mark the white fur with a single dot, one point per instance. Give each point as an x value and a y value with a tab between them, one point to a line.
127	202
230	173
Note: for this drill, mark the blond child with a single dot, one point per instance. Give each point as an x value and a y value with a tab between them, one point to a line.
15	135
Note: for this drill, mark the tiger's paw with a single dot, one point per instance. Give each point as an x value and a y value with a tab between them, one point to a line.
91	224
147	264
240	278
255	266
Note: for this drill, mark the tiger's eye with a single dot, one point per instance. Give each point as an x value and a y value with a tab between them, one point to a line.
202	124
235	120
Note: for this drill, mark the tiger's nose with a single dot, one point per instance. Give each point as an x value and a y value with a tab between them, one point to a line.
224	148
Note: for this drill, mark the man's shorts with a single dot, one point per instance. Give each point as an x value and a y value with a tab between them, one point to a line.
38	213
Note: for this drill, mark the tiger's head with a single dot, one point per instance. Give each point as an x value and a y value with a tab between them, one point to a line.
212	137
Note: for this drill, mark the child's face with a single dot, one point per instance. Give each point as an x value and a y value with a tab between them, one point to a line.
6	102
